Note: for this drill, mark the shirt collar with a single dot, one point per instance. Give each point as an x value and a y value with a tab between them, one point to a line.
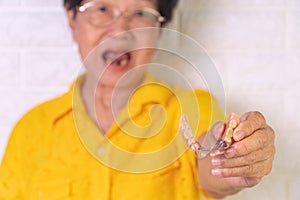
64	103
151	91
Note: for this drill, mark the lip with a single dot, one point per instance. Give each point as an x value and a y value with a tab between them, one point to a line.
117	60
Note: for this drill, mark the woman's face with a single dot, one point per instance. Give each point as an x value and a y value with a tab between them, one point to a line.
114	57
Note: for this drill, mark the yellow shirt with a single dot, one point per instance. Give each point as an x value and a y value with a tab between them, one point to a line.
57	152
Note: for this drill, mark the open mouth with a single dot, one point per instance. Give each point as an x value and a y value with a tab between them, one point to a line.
117	59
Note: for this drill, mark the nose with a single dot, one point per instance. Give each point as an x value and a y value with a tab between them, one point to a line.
121	23
121	28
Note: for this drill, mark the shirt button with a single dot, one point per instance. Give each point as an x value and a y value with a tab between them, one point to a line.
101	151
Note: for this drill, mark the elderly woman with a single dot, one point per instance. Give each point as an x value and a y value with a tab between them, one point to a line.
106	138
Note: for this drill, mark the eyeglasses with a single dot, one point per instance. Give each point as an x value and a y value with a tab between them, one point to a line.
101	14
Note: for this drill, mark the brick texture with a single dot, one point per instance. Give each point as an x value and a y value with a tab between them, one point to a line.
255	45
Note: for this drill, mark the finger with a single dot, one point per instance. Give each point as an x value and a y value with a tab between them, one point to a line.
250	122
258	140
243	182
218	129
252	158
212	136
257	170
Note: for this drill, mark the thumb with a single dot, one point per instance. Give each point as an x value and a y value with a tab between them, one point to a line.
213	135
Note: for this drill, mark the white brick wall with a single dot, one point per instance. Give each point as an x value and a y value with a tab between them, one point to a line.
37	60
254	43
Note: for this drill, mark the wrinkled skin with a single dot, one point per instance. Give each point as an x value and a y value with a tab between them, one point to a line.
244	163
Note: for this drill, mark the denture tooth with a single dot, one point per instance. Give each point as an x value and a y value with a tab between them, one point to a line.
215	153
228	135
233	124
229	132
194	146
186	135
190	141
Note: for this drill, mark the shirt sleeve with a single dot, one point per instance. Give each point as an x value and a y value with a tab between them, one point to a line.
11	169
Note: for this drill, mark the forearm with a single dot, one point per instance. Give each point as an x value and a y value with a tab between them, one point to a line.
214	186
245	163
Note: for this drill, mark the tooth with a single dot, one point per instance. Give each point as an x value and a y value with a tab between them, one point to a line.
123	62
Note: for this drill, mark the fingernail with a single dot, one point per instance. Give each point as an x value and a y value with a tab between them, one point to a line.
229	153
216	162
216	172
217	152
